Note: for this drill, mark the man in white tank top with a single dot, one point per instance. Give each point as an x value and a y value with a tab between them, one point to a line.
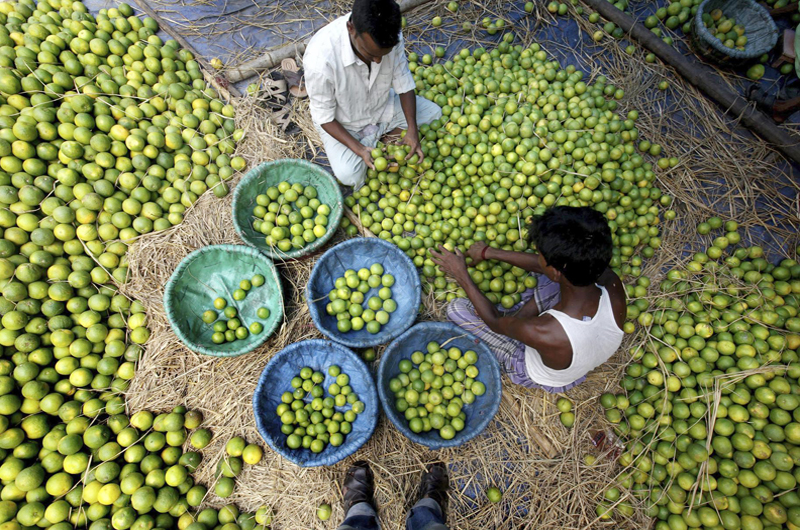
571	323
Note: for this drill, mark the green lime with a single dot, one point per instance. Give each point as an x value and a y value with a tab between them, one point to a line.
494	495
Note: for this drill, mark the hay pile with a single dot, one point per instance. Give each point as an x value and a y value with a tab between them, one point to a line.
539	491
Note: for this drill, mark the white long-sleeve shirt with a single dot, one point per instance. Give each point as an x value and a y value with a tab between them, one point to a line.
342	87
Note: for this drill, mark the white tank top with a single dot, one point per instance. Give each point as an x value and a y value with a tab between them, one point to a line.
593	343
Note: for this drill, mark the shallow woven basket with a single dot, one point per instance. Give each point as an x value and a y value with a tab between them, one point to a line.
357	253
319	355
215	271
269	174
479	414
761	31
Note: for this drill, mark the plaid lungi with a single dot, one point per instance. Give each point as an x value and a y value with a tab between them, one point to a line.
510	352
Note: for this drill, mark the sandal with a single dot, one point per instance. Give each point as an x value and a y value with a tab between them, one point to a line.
269	89
764	100
294	78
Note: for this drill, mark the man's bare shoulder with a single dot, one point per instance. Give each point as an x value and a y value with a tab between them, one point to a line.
539	331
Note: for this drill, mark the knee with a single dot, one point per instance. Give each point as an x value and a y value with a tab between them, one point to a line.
427	111
350	172
458	310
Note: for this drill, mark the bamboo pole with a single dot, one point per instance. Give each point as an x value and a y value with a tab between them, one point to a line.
220	83
705	79
273	57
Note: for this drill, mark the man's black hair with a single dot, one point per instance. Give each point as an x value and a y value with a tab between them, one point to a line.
380	19
574	241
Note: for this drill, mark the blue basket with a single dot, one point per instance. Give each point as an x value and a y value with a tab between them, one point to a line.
355	254
318	354
479	414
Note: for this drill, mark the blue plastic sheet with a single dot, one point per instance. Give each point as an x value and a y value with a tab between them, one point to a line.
319	355
479	413
360	253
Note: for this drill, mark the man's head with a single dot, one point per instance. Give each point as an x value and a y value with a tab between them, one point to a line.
374	28
574	242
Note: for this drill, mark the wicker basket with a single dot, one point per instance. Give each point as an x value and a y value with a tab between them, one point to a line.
215	271
320	355
269	174
762	33
479	414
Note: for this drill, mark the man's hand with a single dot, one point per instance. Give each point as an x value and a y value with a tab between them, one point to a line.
411	139
451	263
475	251
366	155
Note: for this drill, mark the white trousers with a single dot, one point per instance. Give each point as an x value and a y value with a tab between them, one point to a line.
347	166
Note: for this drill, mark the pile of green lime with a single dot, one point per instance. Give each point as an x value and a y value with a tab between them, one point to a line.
106	133
709	412
433	388
353	305
290	216
233	328
519	133
237	453
310	418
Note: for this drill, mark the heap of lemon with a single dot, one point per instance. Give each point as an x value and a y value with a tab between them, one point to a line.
106	133
519	134
710	412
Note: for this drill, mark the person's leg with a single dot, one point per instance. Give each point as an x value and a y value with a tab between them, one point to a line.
427	111
425	515
361	516
357	496
461	312
347	167
544	296
428	513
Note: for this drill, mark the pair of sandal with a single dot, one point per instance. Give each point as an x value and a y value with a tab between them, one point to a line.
779	106
274	91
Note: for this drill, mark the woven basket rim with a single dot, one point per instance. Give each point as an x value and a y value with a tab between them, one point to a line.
337	209
178	272
708	39
494	374
370	394
380	337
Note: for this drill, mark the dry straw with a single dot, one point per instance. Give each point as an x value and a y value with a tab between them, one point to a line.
540	491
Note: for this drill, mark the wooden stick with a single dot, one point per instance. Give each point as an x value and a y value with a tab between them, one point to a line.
534	433
790	8
705	79
357	221
273	57
219	82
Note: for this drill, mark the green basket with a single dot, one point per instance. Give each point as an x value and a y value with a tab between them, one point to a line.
762	33
216	271
269	174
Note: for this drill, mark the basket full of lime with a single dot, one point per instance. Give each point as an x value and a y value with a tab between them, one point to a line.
315	403
363	292
287	209
439	385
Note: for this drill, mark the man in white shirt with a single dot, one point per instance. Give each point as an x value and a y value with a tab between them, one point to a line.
360	88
